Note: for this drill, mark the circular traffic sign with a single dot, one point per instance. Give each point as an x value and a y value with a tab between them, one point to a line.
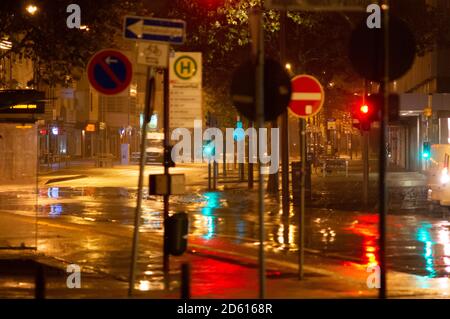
367	53
307	97
277	90
109	72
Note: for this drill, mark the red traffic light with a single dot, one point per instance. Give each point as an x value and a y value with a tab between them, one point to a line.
365	112
364	109
368	110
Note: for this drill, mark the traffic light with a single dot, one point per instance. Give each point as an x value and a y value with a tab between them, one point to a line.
426	152
369	111
239	132
209	149
366	112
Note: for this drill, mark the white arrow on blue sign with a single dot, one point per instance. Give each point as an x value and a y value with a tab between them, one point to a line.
154	29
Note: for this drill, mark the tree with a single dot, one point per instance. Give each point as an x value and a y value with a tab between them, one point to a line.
60	53
317	41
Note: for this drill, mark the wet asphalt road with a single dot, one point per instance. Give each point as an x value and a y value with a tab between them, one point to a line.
418	242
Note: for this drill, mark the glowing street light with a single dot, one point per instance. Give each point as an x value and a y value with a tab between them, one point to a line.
31	9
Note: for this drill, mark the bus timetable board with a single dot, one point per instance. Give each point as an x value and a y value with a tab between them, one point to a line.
22	102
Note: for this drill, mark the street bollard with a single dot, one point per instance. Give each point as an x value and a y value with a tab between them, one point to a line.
39	282
346	168
177	227
186	281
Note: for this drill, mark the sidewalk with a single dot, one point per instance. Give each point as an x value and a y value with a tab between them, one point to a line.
220	269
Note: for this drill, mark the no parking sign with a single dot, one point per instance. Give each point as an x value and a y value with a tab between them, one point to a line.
109	72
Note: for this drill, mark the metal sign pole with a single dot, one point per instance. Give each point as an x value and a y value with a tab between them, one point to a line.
209	175
284	127
250	170
224	165
365	137
301	218
137	216
259	94
173	32
365	156
166	265
383	158
215	173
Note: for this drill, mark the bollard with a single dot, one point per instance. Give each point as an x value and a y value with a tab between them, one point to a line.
177	227
186	281
346	168
39	283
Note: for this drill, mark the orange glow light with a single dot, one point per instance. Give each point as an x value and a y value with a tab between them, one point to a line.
90	128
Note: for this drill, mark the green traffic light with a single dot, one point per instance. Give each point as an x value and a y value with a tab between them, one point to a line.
209	149
426	153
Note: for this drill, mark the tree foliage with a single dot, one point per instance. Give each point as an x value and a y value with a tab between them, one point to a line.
317	42
61	53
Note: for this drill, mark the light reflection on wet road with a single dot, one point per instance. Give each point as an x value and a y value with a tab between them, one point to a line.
417	244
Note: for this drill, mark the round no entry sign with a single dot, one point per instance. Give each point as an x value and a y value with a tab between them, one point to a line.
109	72
307	96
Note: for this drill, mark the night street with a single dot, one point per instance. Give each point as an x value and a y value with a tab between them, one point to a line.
201	151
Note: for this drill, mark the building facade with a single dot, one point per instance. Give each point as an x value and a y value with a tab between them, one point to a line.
425	106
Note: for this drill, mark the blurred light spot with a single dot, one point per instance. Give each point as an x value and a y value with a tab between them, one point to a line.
144	285
53	192
55	210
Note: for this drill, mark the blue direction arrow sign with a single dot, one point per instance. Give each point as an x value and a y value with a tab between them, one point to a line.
153	29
